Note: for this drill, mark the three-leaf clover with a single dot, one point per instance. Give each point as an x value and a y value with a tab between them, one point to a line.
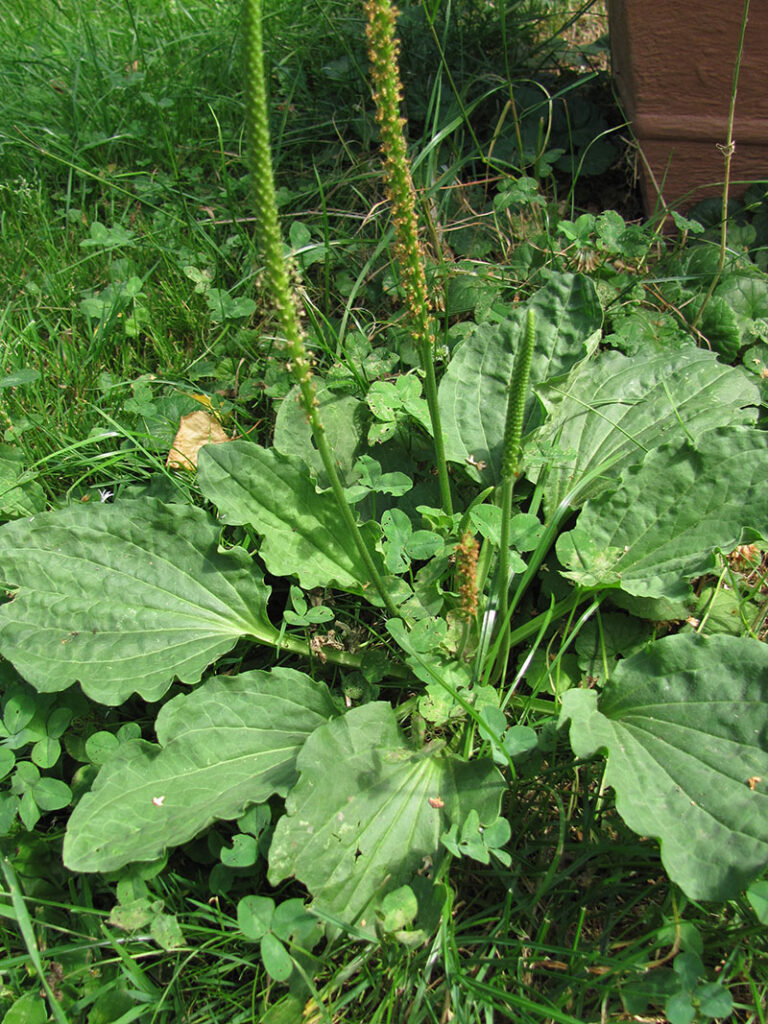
275	927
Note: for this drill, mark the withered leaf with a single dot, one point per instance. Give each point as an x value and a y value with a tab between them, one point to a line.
195	430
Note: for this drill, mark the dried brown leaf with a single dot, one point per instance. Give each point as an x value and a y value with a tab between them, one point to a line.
195	430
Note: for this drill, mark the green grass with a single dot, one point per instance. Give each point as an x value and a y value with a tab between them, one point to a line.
125	190
585	913
117	180
127	256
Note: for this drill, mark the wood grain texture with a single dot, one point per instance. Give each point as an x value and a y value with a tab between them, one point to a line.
673	62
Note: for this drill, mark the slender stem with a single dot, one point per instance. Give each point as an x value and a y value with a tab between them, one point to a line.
727	151
278	280
430	387
345	659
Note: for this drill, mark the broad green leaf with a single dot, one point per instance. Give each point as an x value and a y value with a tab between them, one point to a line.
158	418
25	778
51	794
29	812
46	752
720	326
755	361
7	761
614	409
243	854
289	1010
344	418
638	330
223	306
397	530
747	297
679	1009
231	742
662	524
684	725
294	924
473	391
124	598
580	230
58	722
27	1009
300	528
19	494
135	914
360	823
255	820
399	909
108	237
371	478
604	640
394	401
100	746
651	988
9	808
685	224
714	1000
19	709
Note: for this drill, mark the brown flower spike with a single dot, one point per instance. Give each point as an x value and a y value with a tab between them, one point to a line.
467	551
409	254
388	94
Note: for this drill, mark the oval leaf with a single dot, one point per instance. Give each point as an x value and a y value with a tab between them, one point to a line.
124	598
231	742
344	421
20	494
368	809
301	531
613	410
27	1009
662	524
274	956
684	725
473	391
254	916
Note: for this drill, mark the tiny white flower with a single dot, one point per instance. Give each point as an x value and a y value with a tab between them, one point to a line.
104	494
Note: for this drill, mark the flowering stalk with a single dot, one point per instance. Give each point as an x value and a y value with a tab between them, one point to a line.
387	93
510	460
467	551
518	393
277	274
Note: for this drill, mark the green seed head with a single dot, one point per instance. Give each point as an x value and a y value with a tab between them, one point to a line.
518	393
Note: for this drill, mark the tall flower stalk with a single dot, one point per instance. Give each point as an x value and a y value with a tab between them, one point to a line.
510	464
277	274
387	93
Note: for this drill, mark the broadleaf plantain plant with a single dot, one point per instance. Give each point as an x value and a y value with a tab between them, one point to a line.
630	476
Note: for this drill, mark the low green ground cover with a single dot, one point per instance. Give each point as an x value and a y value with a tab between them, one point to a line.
556	785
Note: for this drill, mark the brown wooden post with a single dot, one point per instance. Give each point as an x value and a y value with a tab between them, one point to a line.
673	62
